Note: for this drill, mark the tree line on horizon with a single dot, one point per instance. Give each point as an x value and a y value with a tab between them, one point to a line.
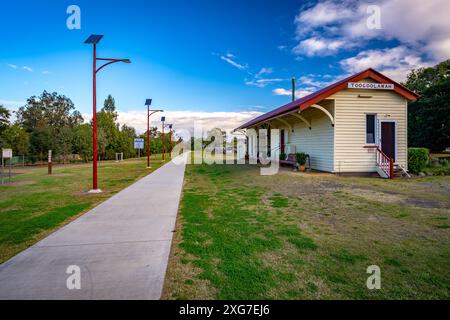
51	122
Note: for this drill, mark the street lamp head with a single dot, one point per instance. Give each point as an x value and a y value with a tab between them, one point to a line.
94	39
163	119
148	102
126	60
170	126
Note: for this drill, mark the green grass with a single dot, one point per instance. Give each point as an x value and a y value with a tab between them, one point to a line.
295	236
36	204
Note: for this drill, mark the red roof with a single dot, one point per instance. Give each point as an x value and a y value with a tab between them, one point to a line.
313	98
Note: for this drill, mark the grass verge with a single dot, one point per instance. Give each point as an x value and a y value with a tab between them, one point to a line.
36	204
308	236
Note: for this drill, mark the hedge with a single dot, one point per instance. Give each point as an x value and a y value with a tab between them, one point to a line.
417	159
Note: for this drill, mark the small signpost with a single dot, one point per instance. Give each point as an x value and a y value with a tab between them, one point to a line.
139	144
6	154
49	161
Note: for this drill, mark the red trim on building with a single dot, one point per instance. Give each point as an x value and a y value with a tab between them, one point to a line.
307	101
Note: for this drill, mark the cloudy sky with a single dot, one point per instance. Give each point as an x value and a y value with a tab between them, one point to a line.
221	62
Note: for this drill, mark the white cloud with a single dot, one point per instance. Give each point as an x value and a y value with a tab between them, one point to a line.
422	26
45	72
415	23
316	46
184	119
323	13
228	59
394	62
261	83
257	107
285	92
420	29
309	80
264	71
12	103
12	66
27	68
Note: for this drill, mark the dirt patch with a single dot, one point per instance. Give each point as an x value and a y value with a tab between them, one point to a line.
299	184
423	203
18	183
61	174
373	195
5	174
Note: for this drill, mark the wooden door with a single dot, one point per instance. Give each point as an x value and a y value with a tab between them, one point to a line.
388	139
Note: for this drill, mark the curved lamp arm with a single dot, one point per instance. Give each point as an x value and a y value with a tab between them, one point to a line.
111	61
154	111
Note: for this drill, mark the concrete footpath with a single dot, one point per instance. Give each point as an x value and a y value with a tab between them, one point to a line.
121	247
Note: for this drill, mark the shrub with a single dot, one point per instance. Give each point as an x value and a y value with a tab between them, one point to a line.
438	171
417	159
282	156
444	162
301	158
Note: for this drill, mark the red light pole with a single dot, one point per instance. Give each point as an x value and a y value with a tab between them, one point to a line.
148	103
170	140
163	142
169	149
94	39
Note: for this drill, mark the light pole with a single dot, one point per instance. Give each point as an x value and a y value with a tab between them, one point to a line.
169	125
163	142
94	39
148	103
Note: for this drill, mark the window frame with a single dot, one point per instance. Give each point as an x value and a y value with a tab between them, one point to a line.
375	129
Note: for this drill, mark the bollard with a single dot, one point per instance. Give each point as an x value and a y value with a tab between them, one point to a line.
49	161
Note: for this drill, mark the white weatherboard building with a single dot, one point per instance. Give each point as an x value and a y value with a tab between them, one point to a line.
356	125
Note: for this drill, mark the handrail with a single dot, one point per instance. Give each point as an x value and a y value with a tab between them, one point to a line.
271	150
385	163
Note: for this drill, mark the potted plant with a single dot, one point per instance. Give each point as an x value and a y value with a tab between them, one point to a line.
301	160
282	156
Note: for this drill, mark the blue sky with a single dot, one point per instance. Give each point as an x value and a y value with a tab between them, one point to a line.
208	56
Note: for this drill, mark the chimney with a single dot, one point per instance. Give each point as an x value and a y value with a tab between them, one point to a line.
293	89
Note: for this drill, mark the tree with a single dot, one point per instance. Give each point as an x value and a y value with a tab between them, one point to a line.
64	142
4	118
429	116
102	143
17	138
109	132
109	106
127	135
44	118
82	142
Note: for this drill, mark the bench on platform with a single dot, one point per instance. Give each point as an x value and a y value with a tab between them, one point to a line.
290	160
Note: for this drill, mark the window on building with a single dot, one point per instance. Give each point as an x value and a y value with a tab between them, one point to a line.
371	128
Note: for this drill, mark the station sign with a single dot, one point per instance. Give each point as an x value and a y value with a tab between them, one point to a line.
138	143
7	153
371	85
